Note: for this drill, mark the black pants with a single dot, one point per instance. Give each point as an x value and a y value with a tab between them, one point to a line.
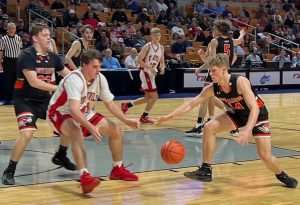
8	77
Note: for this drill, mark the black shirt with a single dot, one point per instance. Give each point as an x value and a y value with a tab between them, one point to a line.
44	66
225	45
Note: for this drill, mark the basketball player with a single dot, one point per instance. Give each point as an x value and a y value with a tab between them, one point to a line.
221	43
72	114
73	55
35	67
246	110
150	57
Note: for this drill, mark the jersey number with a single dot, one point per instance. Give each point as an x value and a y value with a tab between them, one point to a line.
227	49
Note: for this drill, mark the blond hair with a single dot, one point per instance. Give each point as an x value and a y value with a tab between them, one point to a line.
218	60
155	30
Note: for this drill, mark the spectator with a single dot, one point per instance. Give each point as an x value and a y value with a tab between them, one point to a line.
162	18
110	62
88	15
143	16
296	60
138	40
244	12
119	16
179	47
21	27
227	12
177	29
145	29
253	57
161	6
282	58
76	31
96	6
71	19
57	5
134	6
131	60
218	8
26	42
91	20
297	40
118	48
117	4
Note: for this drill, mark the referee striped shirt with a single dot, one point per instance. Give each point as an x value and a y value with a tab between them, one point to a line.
11	46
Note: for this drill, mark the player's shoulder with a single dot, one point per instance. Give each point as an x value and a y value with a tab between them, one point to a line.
28	53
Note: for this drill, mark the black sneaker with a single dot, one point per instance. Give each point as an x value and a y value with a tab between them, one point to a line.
196	131
8	178
202	174
64	161
234	133
289	182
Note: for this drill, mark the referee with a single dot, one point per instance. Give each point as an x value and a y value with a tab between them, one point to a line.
10	46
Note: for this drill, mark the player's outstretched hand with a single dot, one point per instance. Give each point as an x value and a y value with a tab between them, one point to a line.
96	134
242	137
133	123
162	119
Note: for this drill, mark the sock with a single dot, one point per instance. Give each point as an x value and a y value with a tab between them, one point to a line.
119	163
145	114
62	150
81	171
206	166
200	120
12	165
130	104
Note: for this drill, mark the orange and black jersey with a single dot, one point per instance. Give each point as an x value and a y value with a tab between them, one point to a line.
44	66
225	45
235	101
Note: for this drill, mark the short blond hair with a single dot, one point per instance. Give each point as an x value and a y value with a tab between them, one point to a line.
155	30
218	60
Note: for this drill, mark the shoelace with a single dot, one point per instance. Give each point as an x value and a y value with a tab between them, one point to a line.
127	166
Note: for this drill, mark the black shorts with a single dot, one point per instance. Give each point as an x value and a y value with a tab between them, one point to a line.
260	129
29	110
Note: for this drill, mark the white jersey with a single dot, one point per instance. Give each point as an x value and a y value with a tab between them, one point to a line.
153	55
74	86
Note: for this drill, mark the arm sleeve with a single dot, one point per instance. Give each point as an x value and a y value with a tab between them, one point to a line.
105	94
25	61
74	87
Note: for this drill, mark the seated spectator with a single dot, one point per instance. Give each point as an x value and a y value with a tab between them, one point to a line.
143	16
282	58
244	12
296	40
117	4
134	6
239	51
129	28
131	60
161	6
227	12
87	14
118	48
91	20
71	19
145	29
199	6
96	6
119	16
127	39
57	5
76	31
177	29
138	39
162	18
26	42
110	62
179	47
296	60
204	24
218	8
253	57
21	27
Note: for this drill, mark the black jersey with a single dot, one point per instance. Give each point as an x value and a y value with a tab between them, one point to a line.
76	60
44	66
225	45
235	101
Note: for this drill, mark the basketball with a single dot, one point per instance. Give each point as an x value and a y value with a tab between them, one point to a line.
172	152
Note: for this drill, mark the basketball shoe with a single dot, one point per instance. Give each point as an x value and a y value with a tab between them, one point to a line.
195	131
88	183
146	120
124	107
203	174
234	133
8	177
289	182
64	161
121	173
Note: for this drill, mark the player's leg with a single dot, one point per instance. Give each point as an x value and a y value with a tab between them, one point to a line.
197	130
216	125
60	157
262	138
70	128
211	108
152	96
115	140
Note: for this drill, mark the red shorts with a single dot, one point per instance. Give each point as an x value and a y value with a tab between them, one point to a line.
57	120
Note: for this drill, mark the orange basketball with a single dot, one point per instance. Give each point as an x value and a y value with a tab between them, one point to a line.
172	152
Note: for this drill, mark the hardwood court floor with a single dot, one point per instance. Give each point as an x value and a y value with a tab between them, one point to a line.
247	182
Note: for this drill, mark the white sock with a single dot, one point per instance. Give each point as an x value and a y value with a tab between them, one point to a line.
83	170
132	102
119	163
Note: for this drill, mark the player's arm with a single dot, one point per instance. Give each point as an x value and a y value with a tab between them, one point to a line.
211	51
74	48
117	112
31	77
244	88
142	55
240	39
64	72
206	93
162	61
